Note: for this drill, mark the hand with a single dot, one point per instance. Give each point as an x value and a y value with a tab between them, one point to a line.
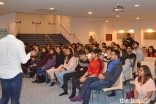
33	53
82	79
34	65
81	69
61	70
101	76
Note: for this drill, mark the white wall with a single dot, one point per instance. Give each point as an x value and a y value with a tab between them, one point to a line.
138	27
6	19
81	28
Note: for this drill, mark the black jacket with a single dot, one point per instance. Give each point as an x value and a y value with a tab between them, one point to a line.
59	60
82	64
114	74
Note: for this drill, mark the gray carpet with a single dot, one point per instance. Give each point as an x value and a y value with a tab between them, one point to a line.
33	93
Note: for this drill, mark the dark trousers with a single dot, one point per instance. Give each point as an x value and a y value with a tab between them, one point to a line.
92	83
74	76
11	88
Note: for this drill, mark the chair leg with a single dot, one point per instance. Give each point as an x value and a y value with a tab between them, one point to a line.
115	94
105	97
92	95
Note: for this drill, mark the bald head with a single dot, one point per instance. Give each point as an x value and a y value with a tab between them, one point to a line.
12	28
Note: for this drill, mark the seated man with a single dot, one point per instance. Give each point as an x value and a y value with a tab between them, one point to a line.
79	71
95	68
105	80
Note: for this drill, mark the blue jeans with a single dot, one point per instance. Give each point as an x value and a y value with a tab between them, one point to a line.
92	83
11	88
60	75
43	71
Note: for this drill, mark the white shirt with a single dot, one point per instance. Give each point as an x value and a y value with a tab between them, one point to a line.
139	54
12	54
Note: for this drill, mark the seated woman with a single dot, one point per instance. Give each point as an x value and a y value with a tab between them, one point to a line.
144	86
38	56
44	59
59	61
68	66
50	63
151	53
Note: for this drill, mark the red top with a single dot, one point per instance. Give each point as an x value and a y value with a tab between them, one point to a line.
94	67
152	56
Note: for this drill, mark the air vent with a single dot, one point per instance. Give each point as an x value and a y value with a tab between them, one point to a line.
45	10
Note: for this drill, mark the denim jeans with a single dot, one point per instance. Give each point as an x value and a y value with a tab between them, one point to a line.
11	88
92	83
60	75
42	71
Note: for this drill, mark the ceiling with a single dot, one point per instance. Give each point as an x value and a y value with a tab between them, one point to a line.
101	9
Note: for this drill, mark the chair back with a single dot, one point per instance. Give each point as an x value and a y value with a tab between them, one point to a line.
149	59
151	65
119	81
105	67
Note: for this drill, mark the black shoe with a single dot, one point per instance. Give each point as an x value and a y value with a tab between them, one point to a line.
112	94
64	93
71	96
62	86
48	80
34	81
52	84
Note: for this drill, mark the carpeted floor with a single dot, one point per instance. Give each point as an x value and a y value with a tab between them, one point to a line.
33	93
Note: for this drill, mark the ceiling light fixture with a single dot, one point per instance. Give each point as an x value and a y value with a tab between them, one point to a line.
1	3
106	21
137	18
89	12
117	16
131	31
121	31
136	5
149	30
119	8
51	8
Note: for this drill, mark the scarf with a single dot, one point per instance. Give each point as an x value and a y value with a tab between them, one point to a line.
111	64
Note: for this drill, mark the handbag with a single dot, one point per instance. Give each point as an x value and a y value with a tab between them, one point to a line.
40	79
130	94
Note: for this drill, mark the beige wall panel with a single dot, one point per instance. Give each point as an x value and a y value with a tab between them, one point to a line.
150	35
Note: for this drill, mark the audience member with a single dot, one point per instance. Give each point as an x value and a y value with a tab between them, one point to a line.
79	71
131	55
88	54
151	52
144	86
59	61
108	57
138	52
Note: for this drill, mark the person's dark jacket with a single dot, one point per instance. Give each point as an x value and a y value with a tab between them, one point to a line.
59	60
82	64
43	61
114	74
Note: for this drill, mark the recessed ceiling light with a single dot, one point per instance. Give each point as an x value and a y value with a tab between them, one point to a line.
149	30
106	21
121	31
1	3
51	8
117	16
89	12
137	18
131	31
136	5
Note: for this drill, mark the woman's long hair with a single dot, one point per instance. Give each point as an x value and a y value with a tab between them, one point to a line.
147	74
51	55
43	54
61	51
70	55
153	51
124	57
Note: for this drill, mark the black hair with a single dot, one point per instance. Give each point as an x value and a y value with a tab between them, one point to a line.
51	55
104	47
153	51
70	55
96	45
109	48
116	53
135	42
82	53
129	34
130	47
124	57
88	48
26	44
95	51
117	45
81	45
103	43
